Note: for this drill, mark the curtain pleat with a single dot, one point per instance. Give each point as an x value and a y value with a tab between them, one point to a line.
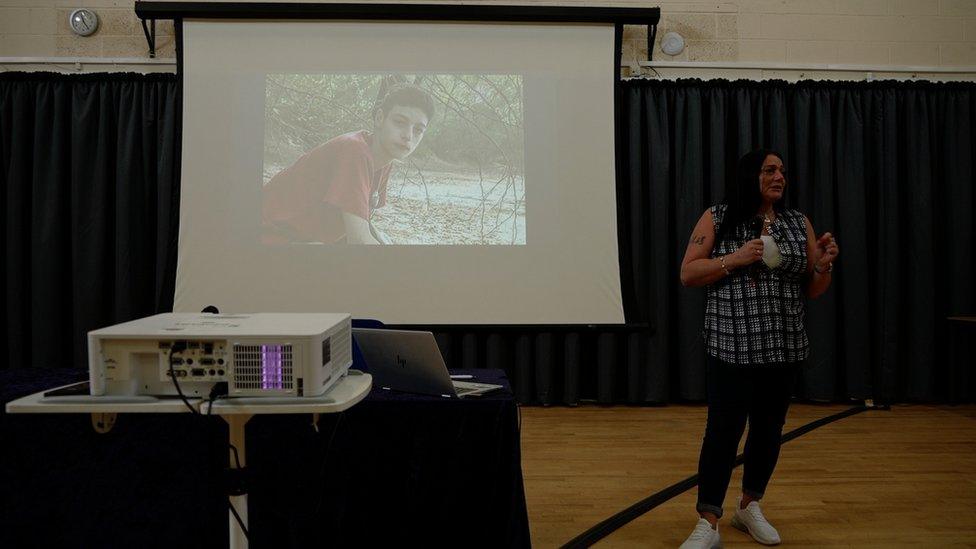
571	367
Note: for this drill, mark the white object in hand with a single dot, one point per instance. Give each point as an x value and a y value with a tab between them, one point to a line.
771	256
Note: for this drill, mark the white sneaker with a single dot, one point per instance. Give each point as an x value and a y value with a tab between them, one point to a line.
703	537
751	521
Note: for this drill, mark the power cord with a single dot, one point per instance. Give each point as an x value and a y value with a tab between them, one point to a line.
240	521
178	347
218	391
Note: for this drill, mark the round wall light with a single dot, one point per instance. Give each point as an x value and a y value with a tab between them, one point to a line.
672	43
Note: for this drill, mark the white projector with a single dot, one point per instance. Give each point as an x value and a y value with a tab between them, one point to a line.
262	354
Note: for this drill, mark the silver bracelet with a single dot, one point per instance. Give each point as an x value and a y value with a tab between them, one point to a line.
721	259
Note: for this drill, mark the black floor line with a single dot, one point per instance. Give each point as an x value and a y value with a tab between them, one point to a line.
608	526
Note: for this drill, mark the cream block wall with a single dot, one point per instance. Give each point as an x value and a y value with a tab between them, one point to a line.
875	32
856	32
39	28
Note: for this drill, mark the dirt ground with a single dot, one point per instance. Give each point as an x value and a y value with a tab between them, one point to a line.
453	209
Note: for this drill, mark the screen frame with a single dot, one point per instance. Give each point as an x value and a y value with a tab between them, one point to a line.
403	12
178	11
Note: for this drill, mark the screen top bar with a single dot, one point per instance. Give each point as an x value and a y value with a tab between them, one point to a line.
409	12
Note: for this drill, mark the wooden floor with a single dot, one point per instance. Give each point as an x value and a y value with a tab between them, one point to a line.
899	478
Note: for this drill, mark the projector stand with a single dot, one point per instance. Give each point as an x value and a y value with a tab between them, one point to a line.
344	394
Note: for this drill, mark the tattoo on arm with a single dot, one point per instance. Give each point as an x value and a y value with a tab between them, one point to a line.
698	239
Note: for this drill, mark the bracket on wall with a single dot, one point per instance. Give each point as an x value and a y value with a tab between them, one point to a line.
150	31
651	37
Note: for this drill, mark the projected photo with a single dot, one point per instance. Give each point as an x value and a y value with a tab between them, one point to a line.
432	159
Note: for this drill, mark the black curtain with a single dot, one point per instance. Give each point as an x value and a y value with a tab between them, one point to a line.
89	168
89	172
888	167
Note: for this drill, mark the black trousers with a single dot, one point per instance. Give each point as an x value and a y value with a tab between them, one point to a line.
737	393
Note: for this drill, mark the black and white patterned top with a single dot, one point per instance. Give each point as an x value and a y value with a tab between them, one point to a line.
755	315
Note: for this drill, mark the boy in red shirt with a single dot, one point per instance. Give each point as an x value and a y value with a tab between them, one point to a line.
329	194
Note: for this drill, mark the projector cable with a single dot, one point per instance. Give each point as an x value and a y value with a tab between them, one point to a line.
178	347
240	522
233	476
237	517
217	392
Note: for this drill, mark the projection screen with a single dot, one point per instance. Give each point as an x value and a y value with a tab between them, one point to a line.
414	173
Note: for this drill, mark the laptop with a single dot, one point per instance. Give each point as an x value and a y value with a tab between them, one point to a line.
410	361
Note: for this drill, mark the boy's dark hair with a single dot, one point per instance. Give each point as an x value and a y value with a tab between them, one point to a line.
407	95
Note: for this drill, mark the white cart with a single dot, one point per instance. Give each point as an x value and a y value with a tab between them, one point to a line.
236	412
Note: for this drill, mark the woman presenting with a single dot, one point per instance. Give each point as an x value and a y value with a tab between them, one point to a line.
759	263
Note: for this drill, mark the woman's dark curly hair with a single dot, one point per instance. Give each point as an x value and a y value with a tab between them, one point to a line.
742	196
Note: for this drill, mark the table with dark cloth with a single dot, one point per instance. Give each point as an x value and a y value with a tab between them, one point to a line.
394	469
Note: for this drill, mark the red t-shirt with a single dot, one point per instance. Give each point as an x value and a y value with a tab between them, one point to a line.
304	202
